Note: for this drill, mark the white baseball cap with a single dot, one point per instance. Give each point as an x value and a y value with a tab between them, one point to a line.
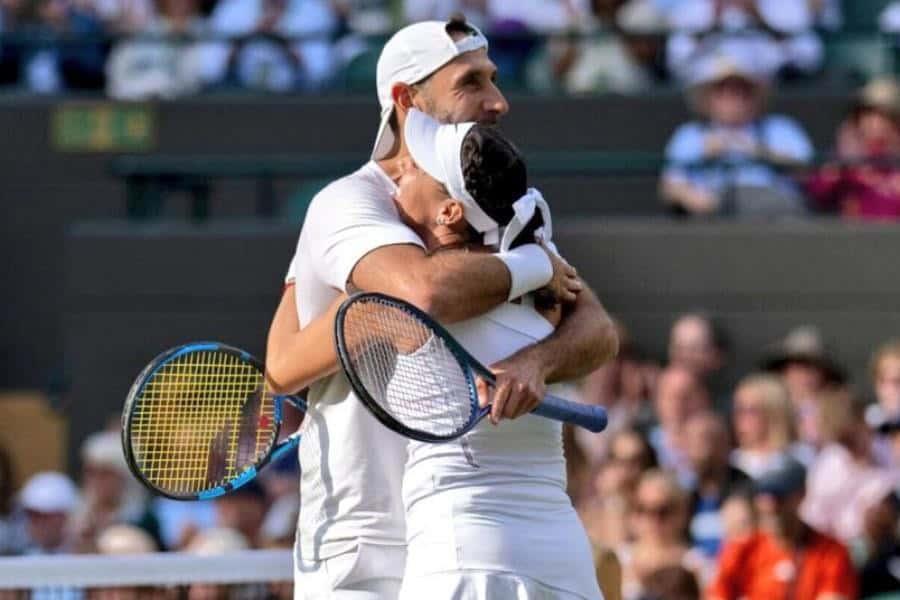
49	492
411	55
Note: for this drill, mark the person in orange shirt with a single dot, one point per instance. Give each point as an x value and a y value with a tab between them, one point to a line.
785	559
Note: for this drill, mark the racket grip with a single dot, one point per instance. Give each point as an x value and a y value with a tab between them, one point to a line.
590	416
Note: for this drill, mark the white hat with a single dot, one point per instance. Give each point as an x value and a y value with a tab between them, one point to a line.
125	539
49	492
437	150
104	449
411	55
219	540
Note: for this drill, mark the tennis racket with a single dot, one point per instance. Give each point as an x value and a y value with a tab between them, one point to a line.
199	422
416	379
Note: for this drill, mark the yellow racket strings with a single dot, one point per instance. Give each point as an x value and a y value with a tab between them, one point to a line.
202	419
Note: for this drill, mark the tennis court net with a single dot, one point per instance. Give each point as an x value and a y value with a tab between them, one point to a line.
250	575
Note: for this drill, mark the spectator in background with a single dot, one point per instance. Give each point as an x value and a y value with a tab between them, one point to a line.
265	54
111	494
707	447
124	540
885	372
698	343
785	559
680	394
214	542
807	369
243	510
727	163
879	574
49	500
763	425
671	583
605	511
476	11
658	524
125	16
58	66
835	504
864	182
10	541
778	33
624	386
164	67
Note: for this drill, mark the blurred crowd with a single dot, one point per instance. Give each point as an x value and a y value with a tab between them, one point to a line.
166	48
781	485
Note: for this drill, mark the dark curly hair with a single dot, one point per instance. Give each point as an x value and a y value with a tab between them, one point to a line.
495	175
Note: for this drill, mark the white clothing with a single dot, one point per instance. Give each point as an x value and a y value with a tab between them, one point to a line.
495	500
480	585
351	465
366	573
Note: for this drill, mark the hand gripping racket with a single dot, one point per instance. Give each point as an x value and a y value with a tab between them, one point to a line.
416	379
200	422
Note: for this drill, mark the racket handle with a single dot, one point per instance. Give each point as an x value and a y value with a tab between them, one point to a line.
590	416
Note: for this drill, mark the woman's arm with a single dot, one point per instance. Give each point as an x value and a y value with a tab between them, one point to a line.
297	357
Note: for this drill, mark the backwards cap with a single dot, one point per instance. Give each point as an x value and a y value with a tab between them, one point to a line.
411	55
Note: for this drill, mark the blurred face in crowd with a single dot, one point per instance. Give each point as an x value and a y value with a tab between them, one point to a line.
880	521
679	395
463	90
658	511
46	530
778	514
887	384
733	101
179	9
691	345
103	484
706	443
628	459
751	419
878	131
242	512
804	380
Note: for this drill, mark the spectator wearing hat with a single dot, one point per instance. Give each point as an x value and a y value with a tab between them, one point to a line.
807	368
864	181
111	495
785	559
48	500
836	504
729	161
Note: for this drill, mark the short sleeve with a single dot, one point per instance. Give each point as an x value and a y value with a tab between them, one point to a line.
686	146
786	137
346	222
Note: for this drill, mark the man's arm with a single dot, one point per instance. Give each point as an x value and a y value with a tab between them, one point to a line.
585	339
452	285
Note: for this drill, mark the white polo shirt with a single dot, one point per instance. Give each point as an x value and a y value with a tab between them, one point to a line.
352	466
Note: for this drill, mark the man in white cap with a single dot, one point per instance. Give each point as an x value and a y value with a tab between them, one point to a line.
48	500
351	539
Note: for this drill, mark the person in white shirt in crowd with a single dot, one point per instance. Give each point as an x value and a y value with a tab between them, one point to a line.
727	162
263	53
160	66
351	530
778	32
49	500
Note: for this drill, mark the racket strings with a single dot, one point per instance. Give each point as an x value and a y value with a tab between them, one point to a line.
200	420
408	370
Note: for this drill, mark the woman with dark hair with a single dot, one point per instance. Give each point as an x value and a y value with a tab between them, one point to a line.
487	515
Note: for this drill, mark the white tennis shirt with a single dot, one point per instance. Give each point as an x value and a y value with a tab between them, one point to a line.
496	498
352	466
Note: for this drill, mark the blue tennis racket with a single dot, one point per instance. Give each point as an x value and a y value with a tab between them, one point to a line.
200	422
419	381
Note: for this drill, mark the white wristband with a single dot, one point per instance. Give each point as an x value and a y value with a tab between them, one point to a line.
529	269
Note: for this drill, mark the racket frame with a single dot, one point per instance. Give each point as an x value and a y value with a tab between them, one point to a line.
276	451
471	367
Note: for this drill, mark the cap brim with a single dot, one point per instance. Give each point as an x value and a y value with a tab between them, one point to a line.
384	139
420	133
